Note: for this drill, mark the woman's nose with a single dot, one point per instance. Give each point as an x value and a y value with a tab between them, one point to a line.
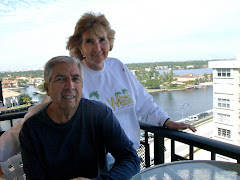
97	46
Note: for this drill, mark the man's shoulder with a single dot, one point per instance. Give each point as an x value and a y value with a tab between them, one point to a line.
93	103
35	118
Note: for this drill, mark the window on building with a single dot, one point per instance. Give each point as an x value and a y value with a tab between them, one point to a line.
224	103
223	118
224	133
224	72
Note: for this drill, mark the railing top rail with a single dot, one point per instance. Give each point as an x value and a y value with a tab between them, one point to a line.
212	145
12	116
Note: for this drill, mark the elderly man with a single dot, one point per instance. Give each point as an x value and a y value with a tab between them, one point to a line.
71	136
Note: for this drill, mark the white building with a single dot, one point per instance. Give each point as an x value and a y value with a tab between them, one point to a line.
11	98
226	100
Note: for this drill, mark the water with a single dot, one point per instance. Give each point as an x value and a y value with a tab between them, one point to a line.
29	90
196	72
173	102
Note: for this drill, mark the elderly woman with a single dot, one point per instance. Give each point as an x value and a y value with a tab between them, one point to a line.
110	81
105	79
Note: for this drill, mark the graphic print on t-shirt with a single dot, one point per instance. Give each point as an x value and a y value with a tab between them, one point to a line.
121	99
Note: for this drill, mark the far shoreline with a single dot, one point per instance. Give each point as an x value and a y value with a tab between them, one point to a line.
152	91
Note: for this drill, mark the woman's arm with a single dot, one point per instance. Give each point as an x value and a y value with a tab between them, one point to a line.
148	111
9	140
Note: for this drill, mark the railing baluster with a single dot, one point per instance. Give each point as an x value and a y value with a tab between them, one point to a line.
158	150
147	150
173	151
191	152
11	122
213	155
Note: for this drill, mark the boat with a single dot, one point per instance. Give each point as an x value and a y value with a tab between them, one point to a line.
35	100
40	92
34	92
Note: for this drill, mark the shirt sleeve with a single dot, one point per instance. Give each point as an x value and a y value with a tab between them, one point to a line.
127	162
32	164
146	109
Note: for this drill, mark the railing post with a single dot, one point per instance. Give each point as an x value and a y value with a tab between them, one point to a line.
158	150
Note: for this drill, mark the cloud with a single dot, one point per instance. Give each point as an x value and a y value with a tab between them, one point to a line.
145	30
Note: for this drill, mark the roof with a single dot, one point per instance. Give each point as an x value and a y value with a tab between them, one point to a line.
191	75
8	93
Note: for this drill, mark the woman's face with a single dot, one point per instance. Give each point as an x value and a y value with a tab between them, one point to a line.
95	48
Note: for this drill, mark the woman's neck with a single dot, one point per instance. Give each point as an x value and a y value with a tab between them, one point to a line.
94	66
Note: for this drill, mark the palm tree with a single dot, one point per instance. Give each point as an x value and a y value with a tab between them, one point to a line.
117	93
124	91
94	94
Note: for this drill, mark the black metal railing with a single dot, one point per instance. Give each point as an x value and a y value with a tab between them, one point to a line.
11	117
192	140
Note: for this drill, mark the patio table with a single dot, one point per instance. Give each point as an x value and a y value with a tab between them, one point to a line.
191	170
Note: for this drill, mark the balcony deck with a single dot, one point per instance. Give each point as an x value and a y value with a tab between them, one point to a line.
214	147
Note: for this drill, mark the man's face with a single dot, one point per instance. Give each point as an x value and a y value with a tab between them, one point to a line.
65	86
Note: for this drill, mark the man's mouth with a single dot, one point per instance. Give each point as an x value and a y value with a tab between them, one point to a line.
68	97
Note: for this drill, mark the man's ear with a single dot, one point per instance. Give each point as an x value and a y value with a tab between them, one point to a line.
46	88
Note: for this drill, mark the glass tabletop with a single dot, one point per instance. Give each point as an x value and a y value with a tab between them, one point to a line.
191	170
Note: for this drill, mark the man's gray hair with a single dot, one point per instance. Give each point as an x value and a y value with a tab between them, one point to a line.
48	68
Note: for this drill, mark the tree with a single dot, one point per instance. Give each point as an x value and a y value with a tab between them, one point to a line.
168	77
25	98
152	84
41	87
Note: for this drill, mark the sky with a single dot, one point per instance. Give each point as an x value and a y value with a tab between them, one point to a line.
34	31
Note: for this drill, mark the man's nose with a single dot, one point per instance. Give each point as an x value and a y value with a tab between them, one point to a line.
69	84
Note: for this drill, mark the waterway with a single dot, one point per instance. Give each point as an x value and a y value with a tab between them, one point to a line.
185	102
175	103
196	72
29	90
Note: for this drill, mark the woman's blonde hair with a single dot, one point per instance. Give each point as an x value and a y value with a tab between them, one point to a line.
89	22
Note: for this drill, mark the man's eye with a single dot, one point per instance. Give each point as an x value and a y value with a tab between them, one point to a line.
60	79
77	79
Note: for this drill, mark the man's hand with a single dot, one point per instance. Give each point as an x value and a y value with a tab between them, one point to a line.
179	125
1	173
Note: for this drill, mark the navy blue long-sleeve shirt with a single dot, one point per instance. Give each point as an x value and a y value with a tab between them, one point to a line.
78	147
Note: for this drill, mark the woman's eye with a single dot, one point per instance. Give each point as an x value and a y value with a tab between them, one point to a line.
89	41
102	39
